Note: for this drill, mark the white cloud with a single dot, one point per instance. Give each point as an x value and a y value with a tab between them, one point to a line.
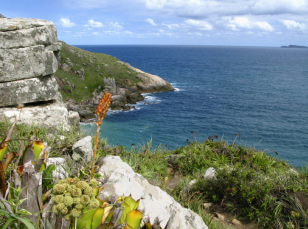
150	21
171	26
95	24
116	25
290	24
202	25
65	22
238	23
204	8
128	32
95	33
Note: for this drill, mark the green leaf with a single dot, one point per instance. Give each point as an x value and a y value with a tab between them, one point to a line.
97	217
86	220
8	223
23	212
25	221
47	177
127	209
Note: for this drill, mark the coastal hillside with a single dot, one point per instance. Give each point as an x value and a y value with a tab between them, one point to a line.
83	76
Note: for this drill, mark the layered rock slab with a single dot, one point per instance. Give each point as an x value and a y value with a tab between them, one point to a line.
38	89
28	58
48	115
121	179
25	32
28	62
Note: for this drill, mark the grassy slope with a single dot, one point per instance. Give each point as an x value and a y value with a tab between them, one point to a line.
103	66
253	186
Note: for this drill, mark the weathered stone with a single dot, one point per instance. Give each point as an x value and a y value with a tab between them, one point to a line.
59	173
73	118
24	63
172	159
26	32
133	98
110	85
83	149
81	73
188	187
45	115
29	91
54	47
66	67
207	205
210	173
155	202
236	223
150	83
221	217
86	114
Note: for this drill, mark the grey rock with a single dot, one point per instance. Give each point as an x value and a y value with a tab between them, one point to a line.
172	159
188	187
24	63
26	32
73	118
54	47
83	149
80	73
59	173
110	85
45	115
65	67
236	223
29	91
154	202
86	114
133	98
150	83
207	205
210	173
1	16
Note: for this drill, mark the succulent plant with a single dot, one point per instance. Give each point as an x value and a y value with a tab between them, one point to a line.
71	196
116	213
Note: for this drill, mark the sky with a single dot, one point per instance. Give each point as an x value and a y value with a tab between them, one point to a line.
170	22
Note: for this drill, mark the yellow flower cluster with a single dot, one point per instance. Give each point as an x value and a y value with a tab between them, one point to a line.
70	196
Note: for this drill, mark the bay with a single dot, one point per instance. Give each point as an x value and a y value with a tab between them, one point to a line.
259	92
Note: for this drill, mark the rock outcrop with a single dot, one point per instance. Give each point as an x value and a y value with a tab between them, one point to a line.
28	60
121	179
150	83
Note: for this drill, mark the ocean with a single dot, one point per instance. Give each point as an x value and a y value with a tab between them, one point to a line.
259	92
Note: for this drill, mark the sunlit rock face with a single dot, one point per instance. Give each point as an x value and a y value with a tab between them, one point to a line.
28	59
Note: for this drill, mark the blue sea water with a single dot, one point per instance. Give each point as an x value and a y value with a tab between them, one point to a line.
261	92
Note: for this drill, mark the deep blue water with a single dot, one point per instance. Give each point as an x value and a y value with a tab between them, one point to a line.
260	92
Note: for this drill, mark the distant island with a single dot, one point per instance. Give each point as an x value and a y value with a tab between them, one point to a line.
294	46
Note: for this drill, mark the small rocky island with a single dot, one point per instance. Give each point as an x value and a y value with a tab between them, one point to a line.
294	46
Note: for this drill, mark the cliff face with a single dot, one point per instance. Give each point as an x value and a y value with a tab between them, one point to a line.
28	60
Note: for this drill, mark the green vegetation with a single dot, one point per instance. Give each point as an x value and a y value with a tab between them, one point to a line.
251	186
96	66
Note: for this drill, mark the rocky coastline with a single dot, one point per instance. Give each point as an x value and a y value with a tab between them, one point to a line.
126	90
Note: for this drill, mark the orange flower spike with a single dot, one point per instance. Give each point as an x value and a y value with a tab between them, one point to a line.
101	112
102	107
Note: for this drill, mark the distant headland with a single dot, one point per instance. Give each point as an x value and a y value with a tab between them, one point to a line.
294	46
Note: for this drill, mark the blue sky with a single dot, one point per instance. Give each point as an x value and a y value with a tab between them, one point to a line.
178	22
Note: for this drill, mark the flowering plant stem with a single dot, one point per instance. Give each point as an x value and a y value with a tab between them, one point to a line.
95	149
